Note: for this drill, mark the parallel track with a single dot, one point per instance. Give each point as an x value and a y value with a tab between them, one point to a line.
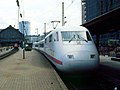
8	54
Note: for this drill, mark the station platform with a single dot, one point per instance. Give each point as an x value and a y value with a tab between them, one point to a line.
106	60
32	73
110	72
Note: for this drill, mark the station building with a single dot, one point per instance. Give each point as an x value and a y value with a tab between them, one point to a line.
102	18
9	36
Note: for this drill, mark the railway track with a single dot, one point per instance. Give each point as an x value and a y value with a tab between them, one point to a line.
101	82
81	84
8	53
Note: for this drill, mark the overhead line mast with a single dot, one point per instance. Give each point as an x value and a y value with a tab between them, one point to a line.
63	22
18	12
17	1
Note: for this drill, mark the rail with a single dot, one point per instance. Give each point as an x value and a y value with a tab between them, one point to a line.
8	53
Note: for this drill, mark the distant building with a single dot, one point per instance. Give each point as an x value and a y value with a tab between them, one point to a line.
83	3
35	38
32	38
26	29
9	36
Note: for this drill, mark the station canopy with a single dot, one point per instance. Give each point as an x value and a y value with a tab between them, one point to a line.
108	22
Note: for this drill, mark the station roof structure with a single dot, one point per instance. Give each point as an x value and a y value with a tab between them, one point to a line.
10	34
108	22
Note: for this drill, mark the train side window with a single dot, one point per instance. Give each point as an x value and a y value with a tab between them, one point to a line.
88	36
45	40
56	37
36	45
42	45
50	38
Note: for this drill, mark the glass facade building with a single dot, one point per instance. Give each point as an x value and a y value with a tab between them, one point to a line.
92	9
26	29
95	8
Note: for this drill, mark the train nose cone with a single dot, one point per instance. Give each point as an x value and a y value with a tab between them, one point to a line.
80	60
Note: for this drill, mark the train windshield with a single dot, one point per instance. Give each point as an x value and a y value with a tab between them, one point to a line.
75	36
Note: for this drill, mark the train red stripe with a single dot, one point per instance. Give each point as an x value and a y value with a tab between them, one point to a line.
54	59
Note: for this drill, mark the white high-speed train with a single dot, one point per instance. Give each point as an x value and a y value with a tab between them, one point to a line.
70	49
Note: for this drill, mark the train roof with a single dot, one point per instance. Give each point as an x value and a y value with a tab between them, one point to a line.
72	28
68	28
41	41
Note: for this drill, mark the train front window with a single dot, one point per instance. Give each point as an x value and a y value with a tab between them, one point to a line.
75	36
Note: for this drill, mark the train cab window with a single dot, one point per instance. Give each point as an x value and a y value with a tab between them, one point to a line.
56	38
72	36
50	38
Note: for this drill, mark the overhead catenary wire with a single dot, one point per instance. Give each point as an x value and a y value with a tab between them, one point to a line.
70	4
66	9
55	11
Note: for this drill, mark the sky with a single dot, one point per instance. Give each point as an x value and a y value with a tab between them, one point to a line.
38	12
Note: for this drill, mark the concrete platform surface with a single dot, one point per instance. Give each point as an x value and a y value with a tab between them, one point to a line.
106	60
32	73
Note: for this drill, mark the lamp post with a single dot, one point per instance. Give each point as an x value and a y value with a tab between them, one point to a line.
44	30
63	17
63	14
17	1
37	33
18	11
23	40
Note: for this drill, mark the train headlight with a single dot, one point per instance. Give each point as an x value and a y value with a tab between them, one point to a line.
26	45
92	56
70	56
